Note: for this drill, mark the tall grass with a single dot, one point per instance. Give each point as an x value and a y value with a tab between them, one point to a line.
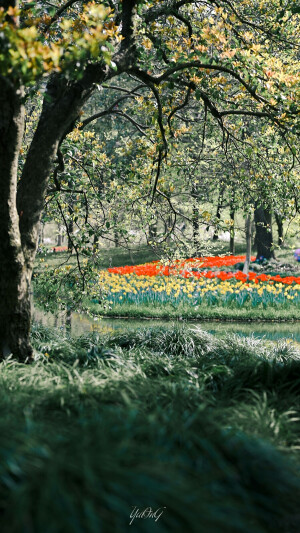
163	417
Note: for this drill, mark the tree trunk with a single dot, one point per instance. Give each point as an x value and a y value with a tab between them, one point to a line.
68	320
41	233
70	231
279	222
248	245
116	239
59	235
218	215
195	220
168	226
263	236
116	232
20	210
152	231
14	276
232	231
96	241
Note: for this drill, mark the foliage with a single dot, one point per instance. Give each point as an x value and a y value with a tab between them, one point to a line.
230	79
27	54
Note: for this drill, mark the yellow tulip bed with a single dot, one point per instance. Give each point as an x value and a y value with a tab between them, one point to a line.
174	290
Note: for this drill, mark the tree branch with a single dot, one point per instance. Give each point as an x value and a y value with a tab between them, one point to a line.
156	80
59	12
244	112
181	106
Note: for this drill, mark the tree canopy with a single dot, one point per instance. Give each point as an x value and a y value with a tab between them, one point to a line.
215	62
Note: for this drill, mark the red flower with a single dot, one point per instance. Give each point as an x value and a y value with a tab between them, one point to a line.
184	269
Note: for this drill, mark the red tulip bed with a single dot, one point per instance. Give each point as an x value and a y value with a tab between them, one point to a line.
198	268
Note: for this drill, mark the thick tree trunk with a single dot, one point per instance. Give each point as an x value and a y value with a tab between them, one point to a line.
20	210
263	236
15	310
14	275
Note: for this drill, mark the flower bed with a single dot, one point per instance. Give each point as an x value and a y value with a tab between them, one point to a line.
189	282
197	268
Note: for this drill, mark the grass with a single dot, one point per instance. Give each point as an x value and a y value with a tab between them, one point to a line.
187	312
170	418
108	257
139	254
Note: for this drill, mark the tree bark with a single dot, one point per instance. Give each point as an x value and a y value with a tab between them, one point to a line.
15	277
70	224
21	208
263	236
116	232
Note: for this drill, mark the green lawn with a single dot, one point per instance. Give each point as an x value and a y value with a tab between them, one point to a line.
172	418
108	257
186	312
115	257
